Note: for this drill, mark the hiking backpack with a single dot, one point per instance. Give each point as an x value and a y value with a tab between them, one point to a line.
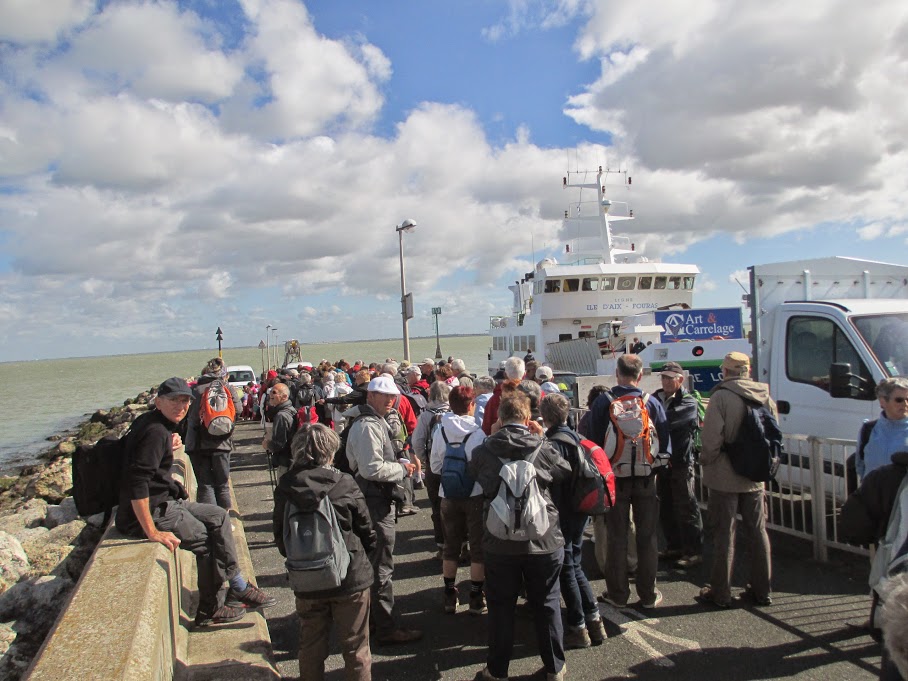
216	409
518	512
697	435
631	442
757	450
592	481
317	555
97	471
437	413
891	556
455	480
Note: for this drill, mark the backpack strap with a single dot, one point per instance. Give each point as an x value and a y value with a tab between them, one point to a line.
864	437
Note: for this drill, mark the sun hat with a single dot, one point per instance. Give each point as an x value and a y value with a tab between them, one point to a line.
735	360
383	384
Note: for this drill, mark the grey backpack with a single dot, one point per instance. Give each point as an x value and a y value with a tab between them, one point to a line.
317	555
891	557
518	512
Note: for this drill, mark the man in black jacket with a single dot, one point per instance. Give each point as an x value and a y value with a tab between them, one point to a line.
155	506
282	414
509	563
311	478
679	511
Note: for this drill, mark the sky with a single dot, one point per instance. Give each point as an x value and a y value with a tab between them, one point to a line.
168	168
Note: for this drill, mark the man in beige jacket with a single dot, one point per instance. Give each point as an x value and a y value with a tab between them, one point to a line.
730	493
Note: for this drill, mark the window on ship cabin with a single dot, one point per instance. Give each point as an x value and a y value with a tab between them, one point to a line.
552	285
674	283
608	283
564	336
659	284
626	283
585	334
590	284
688	283
571	285
644	284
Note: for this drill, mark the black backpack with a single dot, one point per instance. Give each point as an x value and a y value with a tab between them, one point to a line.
97	472
341	461
305	396
757	450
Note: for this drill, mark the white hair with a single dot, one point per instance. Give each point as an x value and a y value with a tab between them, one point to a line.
458	367
514	368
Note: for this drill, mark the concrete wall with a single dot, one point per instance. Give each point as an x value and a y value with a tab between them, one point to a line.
131	612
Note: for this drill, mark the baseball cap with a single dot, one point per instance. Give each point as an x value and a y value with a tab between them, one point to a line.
672	369
383	384
735	360
427	360
174	387
544	373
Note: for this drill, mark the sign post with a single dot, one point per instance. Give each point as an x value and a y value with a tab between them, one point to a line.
220	337
262	347
437	311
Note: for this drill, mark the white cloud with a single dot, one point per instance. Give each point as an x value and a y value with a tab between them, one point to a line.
26	21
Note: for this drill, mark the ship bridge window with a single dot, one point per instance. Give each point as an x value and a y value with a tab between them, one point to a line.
645	283
585	334
571	285
674	283
564	336
688	283
608	283
659	284
552	285
626	283
590	284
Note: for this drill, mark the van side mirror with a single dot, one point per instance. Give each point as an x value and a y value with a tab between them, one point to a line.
843	383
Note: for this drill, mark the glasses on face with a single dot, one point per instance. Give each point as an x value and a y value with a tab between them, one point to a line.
897	400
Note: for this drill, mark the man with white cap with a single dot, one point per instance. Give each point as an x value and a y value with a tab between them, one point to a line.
378	471
731	493
427	366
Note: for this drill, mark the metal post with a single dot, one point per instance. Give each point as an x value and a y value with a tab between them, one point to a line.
274	345
268	343
437	311
405	226
817	501
220	337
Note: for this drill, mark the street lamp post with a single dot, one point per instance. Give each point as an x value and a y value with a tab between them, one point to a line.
274	331
406	299
268	343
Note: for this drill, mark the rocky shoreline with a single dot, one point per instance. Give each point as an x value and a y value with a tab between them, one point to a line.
44	544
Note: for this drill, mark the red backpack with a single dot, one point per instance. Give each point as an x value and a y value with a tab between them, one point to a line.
216	409
592	482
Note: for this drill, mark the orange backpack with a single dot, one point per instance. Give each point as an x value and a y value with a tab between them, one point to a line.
631	442
216	409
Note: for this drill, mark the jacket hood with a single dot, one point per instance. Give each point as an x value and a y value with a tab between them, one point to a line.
458	427
307	486
513	442
746	388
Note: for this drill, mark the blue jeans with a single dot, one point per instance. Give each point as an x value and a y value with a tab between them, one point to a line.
504	577
212	476
576	591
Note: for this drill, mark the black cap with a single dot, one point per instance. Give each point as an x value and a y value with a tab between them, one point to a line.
672	369
174	387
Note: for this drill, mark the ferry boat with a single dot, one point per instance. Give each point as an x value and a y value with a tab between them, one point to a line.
577	306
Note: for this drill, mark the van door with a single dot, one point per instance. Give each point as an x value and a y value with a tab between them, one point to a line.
800	384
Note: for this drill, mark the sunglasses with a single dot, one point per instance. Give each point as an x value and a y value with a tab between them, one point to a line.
897	400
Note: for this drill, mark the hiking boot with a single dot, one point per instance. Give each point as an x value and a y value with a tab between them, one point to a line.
596	630
451	600
605	598
657	599
478	603
486	675
689	561
399	636
251	598
576	637
222	615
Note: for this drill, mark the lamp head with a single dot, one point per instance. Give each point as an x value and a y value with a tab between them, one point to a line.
407	226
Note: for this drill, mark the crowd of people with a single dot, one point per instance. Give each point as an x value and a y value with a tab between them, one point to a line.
370	438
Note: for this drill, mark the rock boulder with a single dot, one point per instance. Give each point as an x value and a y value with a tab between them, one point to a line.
13	561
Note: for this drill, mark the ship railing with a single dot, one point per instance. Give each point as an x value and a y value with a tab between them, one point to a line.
503	322
793	508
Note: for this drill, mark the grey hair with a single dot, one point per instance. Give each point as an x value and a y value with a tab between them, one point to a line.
514	368
466	382
532	390
629	366
458	367
305	378
439	391
889	385
389	368
483	384
554	409
315	445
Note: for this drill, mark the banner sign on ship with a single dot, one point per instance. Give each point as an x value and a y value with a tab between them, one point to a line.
700	324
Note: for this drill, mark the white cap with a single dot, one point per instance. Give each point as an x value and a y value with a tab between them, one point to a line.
544	373
383	384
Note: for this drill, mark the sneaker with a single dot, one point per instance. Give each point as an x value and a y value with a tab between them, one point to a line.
399	636
451	600
486	675
657	599
222	615
558	676
596	630
689	561
605	598
251	598
576	637
478	603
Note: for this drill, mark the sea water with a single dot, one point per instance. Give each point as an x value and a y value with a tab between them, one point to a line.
44	397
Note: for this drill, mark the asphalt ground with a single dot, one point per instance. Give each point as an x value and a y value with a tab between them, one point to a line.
808	632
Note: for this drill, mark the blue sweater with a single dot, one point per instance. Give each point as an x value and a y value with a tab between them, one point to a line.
886	438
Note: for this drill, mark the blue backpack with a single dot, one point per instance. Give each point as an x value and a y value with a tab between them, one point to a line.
455	480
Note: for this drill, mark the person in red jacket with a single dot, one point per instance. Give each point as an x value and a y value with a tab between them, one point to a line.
514	369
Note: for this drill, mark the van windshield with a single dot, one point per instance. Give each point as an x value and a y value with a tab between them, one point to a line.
887	337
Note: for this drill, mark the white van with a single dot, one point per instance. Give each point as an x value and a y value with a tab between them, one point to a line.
239	375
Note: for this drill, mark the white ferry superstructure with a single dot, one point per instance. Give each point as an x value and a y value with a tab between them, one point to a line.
602	280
